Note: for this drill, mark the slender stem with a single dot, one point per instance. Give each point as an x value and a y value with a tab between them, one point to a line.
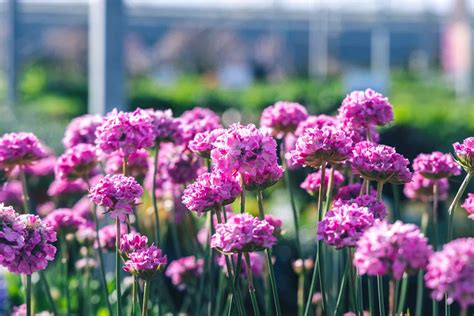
342	287
352	276
28	295
313	283
370	289
65	256
380	295
434	215
251	286
210	265
455	202
134	296
146	295
117	268
300	295
419	283
403	294
396	202
242	199
156	231
379	190
463	311
268	251
220	293
394	289
47	291
24	186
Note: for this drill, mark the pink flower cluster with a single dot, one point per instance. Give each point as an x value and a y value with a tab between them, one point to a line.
203	143
117	193
77	162
108	235
380	163
391	249
317	146
196	121
257	264
365	108
263	178
11	235
11	193
312	182
211	190
184	271
178	163
64	221
468	205
243	233
351	191
283	117
81	130
18	149
132	242
450	272
316	121
125	131
166	128
421	188
465	153
436	165
137	163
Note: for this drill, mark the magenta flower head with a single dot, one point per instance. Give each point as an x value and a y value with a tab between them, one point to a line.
365	108
436	165
118	194
359	133
108	234
257	264
283	117
243	233
421	188
380	163
179	163
11	235
276	223
166	128
468	205
391	249
64	221
198	120
263	178
243	149
465	154
126	132
77	162
137	164
146	262
62	187
38	246
313	181
132	242
210	191
316	121
81	130
450	272
203	143
317	146
351	191
11	193
185	271
19	149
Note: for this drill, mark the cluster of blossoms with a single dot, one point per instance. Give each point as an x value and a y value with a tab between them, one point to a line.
257	263
108	235
27	242
11	194
468	205
118	194
65	221
465	154
184	271
179	163
316	121
312	182
283	118
436	165
196	121
243	233
141	260
203	143
351	191
76	163
346	221
19	149
391	249
81	130
421	188
380	163
165	127
450	272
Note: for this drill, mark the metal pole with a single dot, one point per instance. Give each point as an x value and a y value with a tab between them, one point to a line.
12	50
106	55
380	47
318	41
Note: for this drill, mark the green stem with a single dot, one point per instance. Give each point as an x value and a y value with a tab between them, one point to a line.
352	283
64	262
434	215
134	296
381	296
419	282
300	295
455	202
156	231
370	288
394	289
117	268
396	202
47	291
210	265
403	294
379	190
28	295
220	293
24	186
345	276
313	283
146	295
251	286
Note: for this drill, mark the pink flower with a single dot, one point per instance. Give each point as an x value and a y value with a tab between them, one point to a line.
64	221
257	263
211	190
43	167
380	163
276	223
317	146
450	272
198	120
180	165
316	121
391	249
132	242
18	149
313	181
283	117
62	187
117	193
468	205
243	233
38	246
81	130
359	133
351	191
166	128
11	193
108	234
365	108
263	178
436	165
243	149
185	271
126	132
11	235
465	154
203	143
421	188
146	262
77	162
137	163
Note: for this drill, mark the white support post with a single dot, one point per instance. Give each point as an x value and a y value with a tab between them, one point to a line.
12	51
